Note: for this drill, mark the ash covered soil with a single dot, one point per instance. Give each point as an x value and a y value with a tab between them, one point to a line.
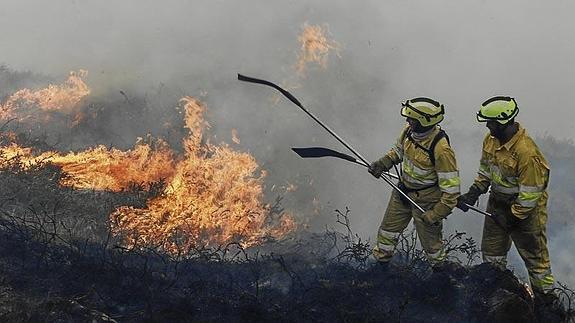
58	285
58	263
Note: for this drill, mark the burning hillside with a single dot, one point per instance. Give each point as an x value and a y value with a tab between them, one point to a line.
120	201
213	194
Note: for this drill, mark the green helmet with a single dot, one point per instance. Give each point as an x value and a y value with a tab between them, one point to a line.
498	108
427	111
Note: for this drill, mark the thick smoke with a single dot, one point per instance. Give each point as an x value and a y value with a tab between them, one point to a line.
460	53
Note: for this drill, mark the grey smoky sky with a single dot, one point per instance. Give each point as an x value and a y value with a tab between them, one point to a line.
459	52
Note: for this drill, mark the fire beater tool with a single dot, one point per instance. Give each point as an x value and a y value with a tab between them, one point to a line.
363	161
317	152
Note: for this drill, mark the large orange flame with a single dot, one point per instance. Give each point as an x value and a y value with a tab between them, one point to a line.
215	197
64	98
102	168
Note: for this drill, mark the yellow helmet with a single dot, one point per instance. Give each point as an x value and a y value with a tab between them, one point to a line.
425	110
498	108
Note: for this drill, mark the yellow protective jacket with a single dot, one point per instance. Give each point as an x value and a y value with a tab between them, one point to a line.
516	171
419	172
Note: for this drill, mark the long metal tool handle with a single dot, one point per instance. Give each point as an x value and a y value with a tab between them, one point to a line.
318	152
471	207
296	102
388	181
315	152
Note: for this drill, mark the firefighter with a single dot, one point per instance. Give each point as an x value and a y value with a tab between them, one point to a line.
429	176
518	174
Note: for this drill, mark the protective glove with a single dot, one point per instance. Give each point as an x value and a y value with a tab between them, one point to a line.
462	203
429	217
469	198
379	166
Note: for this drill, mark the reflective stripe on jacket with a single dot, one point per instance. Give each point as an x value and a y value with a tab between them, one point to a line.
515	168
418	171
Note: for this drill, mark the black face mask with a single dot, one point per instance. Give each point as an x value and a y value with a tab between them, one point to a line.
497	130
497	133
422	129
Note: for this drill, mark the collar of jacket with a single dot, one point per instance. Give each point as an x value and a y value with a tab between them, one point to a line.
520	132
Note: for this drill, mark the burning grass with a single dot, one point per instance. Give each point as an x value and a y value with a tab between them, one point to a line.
214	197
30	104
102	168
213	194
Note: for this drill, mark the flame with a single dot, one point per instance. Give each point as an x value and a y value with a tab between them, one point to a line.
315	47
102	168
13	150
64	98
215	197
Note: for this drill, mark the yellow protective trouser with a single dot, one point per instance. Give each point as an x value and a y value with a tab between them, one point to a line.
529	237
397	217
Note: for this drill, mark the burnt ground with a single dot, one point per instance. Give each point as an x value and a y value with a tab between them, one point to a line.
59	285
58	263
